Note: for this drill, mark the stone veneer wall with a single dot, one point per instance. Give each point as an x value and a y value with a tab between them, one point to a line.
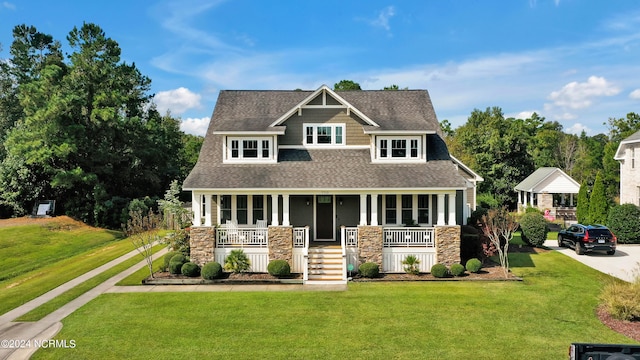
281	243
370	244
202	241
447	244
545	201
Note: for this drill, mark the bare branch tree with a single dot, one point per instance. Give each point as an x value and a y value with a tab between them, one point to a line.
142	230
498	225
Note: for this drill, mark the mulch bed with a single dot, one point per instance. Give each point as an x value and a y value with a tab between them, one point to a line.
630	329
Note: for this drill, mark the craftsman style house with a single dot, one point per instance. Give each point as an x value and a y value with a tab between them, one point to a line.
628	154
328	180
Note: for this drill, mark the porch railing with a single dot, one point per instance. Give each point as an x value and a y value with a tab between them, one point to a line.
301	250
406	237
350	235
300	237
242	237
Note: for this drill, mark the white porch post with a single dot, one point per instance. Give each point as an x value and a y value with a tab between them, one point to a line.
207	210
274	210
285	210
531	199
374	209
363	209
452	209
195	206
440	221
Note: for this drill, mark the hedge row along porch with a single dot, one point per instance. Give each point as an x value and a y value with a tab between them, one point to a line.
328	180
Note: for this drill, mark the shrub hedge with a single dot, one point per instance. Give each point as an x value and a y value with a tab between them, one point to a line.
176	262
457	270
624	221
439	271
474	265
279	268
369	270
212	270
167	259
190	269
534	228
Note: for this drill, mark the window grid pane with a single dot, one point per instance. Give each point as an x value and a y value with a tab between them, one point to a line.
265	148
414	148
250	148
423	209
225	208
258	207
309	135
407	209
241	208
390	212
383	148
324	135
398	148
338	135
234	149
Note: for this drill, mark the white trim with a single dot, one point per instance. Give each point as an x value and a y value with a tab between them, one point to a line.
420	152
332	126
321	89
466	168
324	191
302	147
228	149
397	132
281	131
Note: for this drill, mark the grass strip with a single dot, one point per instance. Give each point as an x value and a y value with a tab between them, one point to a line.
68	296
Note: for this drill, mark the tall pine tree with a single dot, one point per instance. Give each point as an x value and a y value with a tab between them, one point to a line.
598	204
582	210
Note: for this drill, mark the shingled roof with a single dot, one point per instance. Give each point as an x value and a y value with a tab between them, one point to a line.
323	168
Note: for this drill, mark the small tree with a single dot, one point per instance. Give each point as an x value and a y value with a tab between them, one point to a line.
598	204
172	208
142	230
582	210
498	225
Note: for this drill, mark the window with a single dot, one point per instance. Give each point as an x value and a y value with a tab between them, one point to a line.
390	209
225	208
258	207
324	134
407	209
242	209
401	148
249	149
423	209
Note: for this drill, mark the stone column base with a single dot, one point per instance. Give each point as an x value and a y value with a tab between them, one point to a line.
202	240
448	244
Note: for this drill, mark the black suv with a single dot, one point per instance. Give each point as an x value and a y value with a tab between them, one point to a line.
585	238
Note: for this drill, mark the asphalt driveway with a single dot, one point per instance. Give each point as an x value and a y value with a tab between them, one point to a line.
624	264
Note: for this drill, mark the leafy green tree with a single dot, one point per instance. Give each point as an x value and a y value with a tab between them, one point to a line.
582	208
624	221
394	87
621	128
344	85
87	136
497	149
598	204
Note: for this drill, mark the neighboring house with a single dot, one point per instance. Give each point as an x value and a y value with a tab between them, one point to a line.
628	154
550	190
328	180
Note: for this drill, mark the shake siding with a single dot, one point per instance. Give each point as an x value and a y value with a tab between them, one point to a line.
355	134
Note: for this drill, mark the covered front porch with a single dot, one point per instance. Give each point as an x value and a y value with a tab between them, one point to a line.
324	236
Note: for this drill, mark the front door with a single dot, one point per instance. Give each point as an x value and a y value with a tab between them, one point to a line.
324	217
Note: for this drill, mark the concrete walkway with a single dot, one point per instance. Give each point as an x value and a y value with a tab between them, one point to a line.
30	334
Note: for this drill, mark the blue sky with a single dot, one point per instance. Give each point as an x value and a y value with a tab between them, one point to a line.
573	61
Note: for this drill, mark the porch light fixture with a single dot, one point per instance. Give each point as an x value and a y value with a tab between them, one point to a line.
308	202
340	201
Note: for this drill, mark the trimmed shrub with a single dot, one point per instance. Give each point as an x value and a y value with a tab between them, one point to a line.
439	271
176	262
212	270
369	270
190	269
237	261
279	268
624	222
534	228
474	265
457	269
167	259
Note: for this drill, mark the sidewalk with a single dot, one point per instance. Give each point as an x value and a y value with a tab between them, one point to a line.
44	329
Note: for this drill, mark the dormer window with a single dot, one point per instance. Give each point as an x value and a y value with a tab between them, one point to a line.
323	134
399	148
249	149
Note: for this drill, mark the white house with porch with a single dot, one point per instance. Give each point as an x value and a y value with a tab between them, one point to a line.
326	180
628	154
550	190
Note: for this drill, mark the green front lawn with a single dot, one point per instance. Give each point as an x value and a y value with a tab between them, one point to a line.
30	247
537	318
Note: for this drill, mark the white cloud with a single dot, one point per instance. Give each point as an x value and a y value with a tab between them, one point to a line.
195	126
177	100
8	5
577	95
383	18
635	94
577	129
